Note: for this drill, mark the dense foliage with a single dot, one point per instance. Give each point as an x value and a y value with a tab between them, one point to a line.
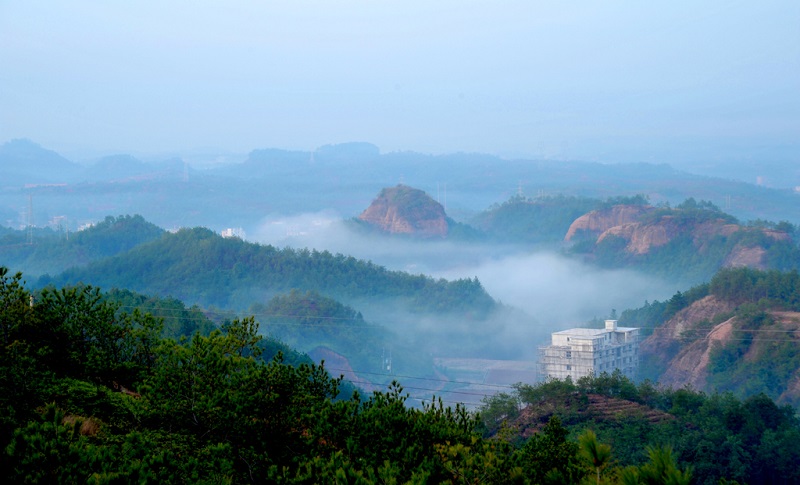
38	251
177	320
716	436
199	266
533	220
93	394
308	321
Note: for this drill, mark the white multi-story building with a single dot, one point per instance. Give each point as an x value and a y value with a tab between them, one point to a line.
580	352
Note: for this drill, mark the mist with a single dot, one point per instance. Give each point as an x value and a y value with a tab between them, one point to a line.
542	290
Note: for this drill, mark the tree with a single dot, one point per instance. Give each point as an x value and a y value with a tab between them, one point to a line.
660	470
597	454
550	458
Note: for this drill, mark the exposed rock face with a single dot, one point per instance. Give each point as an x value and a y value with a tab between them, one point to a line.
690	366
641	237
685	342
752	256
642	234
686	362
405	210
598	222
742	256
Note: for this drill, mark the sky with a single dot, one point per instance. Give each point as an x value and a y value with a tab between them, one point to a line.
607	81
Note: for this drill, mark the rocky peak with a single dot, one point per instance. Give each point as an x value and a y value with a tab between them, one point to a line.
599	221
406	210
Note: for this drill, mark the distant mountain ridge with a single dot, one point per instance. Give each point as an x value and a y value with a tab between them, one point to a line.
25	162
342	177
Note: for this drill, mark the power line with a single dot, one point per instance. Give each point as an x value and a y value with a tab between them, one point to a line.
651	336
432	379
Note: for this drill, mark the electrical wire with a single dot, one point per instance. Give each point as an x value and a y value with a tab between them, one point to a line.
337	322
380	327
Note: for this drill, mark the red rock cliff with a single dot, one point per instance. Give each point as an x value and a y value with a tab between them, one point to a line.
405	210
599	221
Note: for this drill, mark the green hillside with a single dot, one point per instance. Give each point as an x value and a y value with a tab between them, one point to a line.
91	393
199	266
51	251
307	321
539	220
717	437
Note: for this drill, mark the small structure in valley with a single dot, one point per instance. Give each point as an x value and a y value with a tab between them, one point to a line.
580	352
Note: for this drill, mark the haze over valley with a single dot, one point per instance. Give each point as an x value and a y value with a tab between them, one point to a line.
400	242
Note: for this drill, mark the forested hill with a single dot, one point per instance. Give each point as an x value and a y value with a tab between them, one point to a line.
199	266
719	437
688	243
540	220
51	251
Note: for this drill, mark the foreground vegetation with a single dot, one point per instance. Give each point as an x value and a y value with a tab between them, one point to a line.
715	436
92	393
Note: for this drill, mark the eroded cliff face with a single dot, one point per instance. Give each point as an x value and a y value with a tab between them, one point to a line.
643	233
597	222
684	343
641	237
678	343
406	210
752	256
690	365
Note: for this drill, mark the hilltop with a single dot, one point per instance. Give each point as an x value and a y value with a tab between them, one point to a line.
406	210
687	243
718	435
542	220
53	251
199	266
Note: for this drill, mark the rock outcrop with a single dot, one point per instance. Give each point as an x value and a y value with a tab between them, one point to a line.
406	210
690	366
597	222
641	237
684	343
686	358
643	230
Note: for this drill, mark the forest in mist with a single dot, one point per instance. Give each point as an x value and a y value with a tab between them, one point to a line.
331	242
430	302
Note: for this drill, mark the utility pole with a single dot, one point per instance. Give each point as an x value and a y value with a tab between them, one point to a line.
30	219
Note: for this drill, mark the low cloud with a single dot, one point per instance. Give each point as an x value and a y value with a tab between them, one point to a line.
555	291
560	291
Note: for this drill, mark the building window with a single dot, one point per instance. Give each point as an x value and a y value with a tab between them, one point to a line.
569	367
569	354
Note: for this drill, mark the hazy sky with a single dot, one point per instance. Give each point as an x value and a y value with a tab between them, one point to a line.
580	79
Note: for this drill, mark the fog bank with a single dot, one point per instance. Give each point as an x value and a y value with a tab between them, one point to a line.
559	292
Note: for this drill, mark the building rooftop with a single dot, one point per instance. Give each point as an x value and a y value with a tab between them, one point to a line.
591	332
